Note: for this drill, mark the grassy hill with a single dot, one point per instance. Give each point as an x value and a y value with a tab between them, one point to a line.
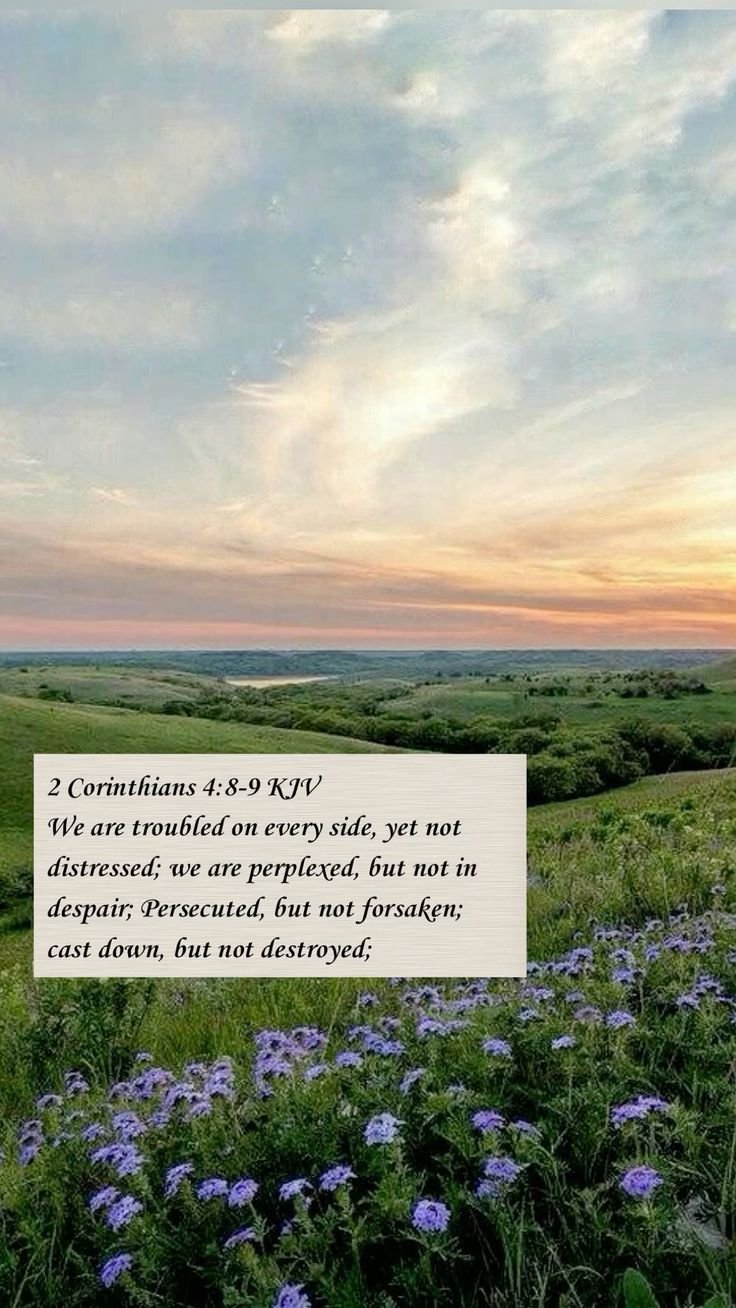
365	663
659	792
720	675
104	683
641	1001
29	726
593	702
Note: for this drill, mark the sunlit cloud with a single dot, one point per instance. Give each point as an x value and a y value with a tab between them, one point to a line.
368	327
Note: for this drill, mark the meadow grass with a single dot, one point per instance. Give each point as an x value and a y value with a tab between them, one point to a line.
590	703
107	684
29	726
566	1127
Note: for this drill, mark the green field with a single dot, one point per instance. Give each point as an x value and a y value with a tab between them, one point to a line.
631	993
102	684
591	703
720	674
29	726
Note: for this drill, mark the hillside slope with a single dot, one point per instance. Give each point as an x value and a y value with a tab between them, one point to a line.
30	726
658	792
721	674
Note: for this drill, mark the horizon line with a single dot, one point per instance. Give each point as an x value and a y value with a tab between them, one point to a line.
357	649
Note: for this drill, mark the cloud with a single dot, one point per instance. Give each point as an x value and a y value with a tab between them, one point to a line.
112	495
101	316
305	29
397	323
371	389
125	176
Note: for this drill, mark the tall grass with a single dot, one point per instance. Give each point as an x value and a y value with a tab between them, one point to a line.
615	1055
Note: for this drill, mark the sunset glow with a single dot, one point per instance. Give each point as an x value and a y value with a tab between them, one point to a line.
368	328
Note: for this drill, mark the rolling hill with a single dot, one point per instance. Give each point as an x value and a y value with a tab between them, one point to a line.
29	726
721	674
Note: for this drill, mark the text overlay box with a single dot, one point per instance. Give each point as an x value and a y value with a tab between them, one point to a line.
280	865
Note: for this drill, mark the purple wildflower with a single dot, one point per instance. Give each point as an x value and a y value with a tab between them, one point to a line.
637	1109
290	1189
242	1192
92	1131
75	1084
640	1182
495	1045
316	1069
113	1267
348	1058
588	1013
499	1172
48	1101
688	1000
240	1236
410	1078
213	1187
619	1018
127	1125
175	1176
563	1042
336	1176
28	1150
122	1211
524	1127
290	1296
102	1198
381	1129
125	1159
487	1119
430	1216
500	1168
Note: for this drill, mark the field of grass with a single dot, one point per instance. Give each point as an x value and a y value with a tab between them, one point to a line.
720	674
590	702
101	684
454	1144
519	1107
697	788
29	726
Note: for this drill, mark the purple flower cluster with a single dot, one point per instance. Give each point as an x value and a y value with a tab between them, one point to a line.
175	1178
133	1138
242	1192
295	1189
122	1211
113	1267
487	1119
212	1187
291	1296
243	1235
430	1216
635	1110
336	1176
499	1173
497	1047
279	1053
381	1129
640	1182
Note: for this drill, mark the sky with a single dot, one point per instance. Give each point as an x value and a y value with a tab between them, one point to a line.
368	328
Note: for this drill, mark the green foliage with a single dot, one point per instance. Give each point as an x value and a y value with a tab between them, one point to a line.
638	1293
564	1234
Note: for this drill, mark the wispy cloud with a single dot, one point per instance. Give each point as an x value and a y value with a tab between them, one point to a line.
369	326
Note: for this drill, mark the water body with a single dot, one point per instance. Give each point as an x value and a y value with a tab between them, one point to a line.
260	683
